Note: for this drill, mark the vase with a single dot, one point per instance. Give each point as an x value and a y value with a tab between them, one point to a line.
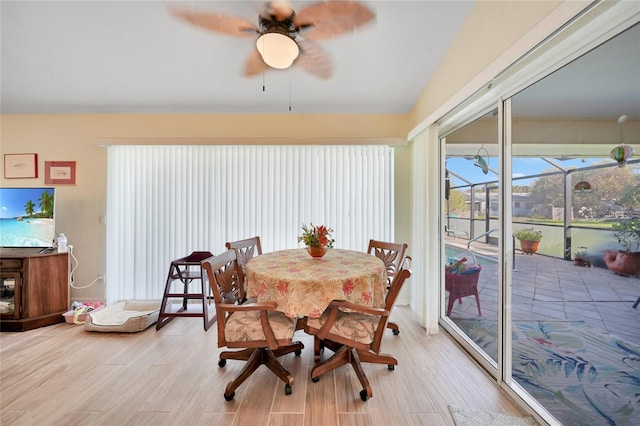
316	252
622	262
529	247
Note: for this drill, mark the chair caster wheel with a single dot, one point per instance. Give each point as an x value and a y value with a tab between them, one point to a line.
298	352
391	367
395	332
315	379
287	389
230	396
222	363
363	395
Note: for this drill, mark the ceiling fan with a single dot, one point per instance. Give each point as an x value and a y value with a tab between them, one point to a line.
286	37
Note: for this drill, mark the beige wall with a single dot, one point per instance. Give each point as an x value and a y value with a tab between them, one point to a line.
494	35
491	28
80	138
552	132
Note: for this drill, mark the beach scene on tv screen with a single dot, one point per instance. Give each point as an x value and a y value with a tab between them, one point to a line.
26	217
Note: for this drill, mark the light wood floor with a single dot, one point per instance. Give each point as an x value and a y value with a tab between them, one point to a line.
63	375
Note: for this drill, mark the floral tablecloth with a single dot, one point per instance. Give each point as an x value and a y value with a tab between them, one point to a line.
304	286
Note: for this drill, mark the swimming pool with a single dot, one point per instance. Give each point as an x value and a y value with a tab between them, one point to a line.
453	252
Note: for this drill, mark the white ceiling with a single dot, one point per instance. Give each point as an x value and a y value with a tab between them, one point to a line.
603	83
135	57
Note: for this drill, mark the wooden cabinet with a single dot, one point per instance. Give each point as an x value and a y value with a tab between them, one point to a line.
34	288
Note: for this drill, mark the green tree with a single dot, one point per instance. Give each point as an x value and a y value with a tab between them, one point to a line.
610	185
46	204
630	196
458	203
611	182
521	189
28	208
548	190
589	204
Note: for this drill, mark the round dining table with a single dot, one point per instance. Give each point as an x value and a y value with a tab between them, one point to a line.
303	286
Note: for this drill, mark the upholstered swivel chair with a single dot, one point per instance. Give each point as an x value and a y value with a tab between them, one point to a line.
262	333
355	334
391	254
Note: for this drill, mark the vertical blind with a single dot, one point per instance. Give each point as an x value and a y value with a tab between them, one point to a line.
164	202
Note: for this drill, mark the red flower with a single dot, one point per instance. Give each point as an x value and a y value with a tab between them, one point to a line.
347	287
282	287
367	297
316	236
262	290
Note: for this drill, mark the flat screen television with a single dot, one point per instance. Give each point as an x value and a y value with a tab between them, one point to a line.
27	217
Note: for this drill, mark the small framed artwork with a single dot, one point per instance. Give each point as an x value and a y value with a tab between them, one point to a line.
60	172
20	166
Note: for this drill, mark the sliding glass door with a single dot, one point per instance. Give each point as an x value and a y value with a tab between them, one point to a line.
572	349
471	206
542	206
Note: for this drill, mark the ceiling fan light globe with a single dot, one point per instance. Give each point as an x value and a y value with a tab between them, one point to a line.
277	50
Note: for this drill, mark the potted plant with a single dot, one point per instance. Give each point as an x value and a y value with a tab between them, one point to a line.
627	260
529	239
317	239
580	257
627	232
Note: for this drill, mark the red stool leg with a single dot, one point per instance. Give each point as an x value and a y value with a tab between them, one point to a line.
452	299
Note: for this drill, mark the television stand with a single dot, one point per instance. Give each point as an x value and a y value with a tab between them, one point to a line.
34	288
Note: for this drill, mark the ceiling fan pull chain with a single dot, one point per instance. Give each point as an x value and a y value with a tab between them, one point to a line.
289	95
263	85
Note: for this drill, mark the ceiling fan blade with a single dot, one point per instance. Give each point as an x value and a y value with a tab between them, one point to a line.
322	21
254	65
314	60
217	22
279	10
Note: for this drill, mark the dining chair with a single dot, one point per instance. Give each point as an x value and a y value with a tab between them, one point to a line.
245	250
355	335
391	254
261	332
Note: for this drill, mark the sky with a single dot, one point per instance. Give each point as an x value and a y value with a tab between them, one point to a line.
520	166
13	200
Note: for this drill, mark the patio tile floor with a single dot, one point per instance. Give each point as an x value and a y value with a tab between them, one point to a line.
550	288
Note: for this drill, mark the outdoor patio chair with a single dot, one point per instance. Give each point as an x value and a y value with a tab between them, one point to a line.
462	285
453	232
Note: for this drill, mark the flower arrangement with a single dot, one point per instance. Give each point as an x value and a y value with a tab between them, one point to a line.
528	234
316	236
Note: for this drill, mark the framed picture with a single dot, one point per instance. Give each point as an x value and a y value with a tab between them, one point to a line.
20	166
60	172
